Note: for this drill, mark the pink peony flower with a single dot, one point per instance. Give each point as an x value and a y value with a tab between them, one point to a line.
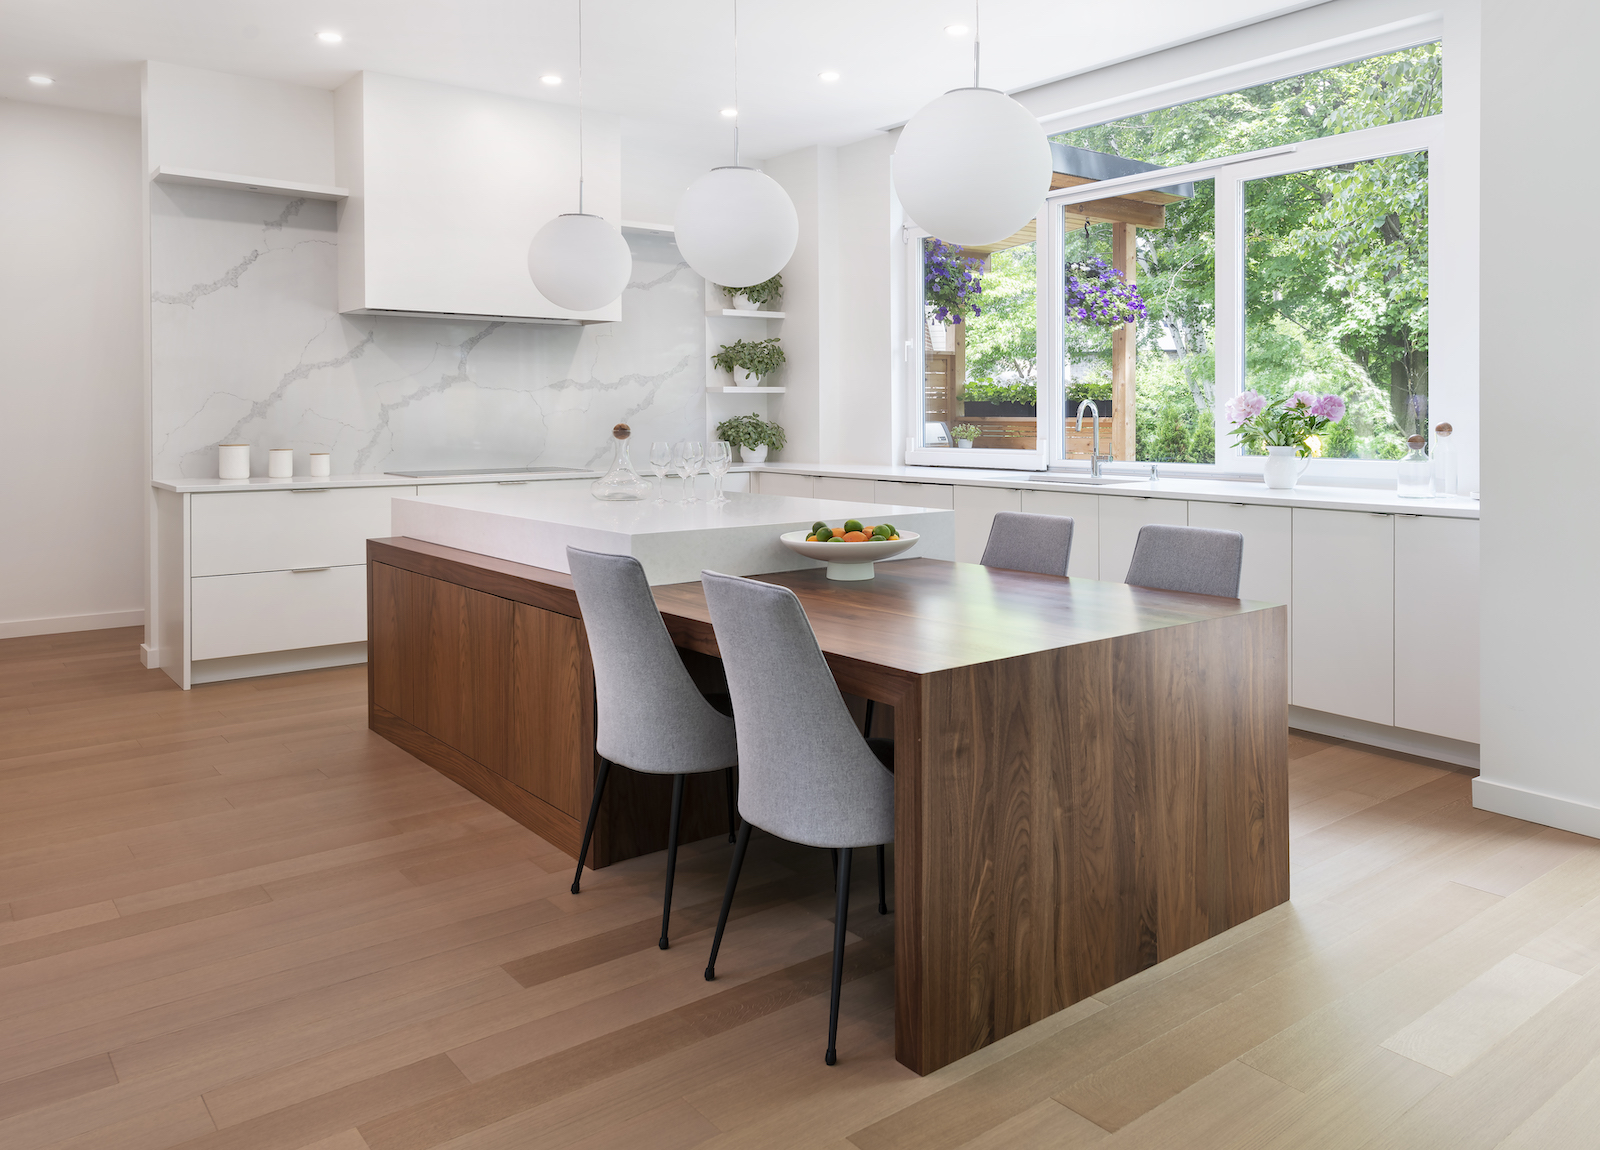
1245	406
1329	407
1301	399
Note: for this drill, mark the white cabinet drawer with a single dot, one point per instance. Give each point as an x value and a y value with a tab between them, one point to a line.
785	483
850	490
939	496
1084	511
277	611
234	532
1121	516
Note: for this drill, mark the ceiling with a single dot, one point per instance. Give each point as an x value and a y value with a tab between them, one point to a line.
660	62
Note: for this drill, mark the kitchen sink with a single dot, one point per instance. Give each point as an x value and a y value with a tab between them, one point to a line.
1088	480
452	472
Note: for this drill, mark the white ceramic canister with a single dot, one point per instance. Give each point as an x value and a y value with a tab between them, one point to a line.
280	463
321	464
233	461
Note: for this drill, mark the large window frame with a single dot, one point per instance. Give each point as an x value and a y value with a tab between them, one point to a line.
1231	174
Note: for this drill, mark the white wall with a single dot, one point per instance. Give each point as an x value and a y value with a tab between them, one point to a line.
70	398
1541	547
217	122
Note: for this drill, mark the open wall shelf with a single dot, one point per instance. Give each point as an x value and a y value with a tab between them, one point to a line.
198	178
747	390
737	314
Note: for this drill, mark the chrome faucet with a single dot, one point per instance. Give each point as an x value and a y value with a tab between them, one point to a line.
1095	458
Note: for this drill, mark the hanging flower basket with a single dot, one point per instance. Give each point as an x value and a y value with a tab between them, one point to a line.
951	282
1098	295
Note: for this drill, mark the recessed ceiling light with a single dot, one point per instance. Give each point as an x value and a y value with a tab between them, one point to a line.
41	80
827	77
330	37
956	29
730	112
551	79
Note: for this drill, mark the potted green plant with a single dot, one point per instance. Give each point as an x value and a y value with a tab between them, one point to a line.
751	298
748	360
964	434
752	435
1098	393
986	397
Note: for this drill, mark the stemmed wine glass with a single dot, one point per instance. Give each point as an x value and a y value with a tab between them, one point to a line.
687	460
719	458
660	463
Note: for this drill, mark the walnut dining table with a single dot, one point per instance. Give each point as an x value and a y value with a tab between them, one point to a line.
1089	777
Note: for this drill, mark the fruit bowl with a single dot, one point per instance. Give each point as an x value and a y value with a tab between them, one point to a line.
849	560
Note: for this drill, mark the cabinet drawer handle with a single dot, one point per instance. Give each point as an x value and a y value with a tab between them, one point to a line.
307	570
512	482
1379	514
310	490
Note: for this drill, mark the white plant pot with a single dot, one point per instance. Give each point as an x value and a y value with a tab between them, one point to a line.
964	443
743	378
753	454
745	303
1283	469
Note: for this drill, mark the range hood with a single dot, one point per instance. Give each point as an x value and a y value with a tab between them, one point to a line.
447	187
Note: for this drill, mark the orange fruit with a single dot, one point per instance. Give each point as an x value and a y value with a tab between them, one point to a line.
855	536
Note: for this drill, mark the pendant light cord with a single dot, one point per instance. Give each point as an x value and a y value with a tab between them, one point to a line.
580	107
977	39
736	83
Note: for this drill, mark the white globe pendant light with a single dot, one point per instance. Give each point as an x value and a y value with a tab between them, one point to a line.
736	226
578	261
1003	173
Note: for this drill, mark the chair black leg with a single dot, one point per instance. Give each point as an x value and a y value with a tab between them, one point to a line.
866	727
833	854
588	827
672	854
727	898
733	806
883	905
841	911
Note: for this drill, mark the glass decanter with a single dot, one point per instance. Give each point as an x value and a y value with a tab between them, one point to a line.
622	481
1414	479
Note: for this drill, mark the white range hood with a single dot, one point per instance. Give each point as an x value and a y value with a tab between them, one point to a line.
446	188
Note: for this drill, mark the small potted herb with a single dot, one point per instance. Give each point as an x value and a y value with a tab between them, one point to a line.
748	360
964	434
751	298
752	435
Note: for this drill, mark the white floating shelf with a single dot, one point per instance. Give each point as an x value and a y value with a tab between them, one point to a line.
248	183
749	390
733	311
646	226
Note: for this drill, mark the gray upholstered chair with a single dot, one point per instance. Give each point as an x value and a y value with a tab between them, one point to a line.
805	773
649	716
1199	560
1019	541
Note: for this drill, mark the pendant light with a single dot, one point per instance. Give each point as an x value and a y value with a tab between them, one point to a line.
578	261
736	226
973	166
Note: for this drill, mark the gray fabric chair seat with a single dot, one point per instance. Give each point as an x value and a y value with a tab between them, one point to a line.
1196	560
1021	541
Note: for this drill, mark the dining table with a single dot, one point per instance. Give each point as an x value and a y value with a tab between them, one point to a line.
1090	777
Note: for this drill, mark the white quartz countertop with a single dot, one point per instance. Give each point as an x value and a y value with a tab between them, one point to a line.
262	483
1206	490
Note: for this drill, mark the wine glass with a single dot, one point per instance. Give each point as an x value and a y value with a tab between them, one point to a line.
719	458
660	463
691	453
678	464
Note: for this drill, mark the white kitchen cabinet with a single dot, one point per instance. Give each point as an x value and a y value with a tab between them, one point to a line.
1436	626
1267	572
939	496
278	611
1121	516
240	531
1342	613
850	490
975	509
1084	562
786	483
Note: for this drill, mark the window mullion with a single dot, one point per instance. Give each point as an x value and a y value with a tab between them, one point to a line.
1051	330
1230	256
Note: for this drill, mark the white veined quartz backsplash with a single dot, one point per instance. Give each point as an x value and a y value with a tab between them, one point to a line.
249	347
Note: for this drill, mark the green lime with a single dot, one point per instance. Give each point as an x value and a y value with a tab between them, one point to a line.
882	531
889	528
852	525
824	534
819	525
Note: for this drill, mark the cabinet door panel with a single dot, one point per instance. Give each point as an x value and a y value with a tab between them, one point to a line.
1121	516
939	496
1342	613
277	611
465	668
1267	571
850	490
235	532
975	510
1084	562
784	483
551	694
1436	626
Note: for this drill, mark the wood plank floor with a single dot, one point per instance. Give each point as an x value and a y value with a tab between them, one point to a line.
235	918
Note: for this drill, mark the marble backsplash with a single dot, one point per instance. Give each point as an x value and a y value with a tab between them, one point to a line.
249	347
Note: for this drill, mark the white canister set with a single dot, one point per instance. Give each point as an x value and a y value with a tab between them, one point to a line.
233	462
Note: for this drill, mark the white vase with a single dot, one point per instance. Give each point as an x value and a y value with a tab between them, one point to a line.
745	303
963	443
1283	469
743	378
753	454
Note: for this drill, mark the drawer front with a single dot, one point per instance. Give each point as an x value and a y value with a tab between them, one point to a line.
850	490
277	611
786	483
939	496
235	532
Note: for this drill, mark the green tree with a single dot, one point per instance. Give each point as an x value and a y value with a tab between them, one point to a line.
1003	340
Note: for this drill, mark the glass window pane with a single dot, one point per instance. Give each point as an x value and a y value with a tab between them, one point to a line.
1386	89
1164	359
980	344
1336	297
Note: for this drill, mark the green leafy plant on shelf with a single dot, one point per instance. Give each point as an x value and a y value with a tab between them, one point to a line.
965	431
767	291
759	357
752	431
1079	392
988	391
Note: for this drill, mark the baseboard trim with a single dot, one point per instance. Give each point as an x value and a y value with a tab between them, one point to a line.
1535	807
1451	751
276	662
150	656
61	624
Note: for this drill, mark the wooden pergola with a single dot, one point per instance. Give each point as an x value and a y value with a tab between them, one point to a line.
1075	167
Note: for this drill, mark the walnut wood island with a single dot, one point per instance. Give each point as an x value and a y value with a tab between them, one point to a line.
1089	777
